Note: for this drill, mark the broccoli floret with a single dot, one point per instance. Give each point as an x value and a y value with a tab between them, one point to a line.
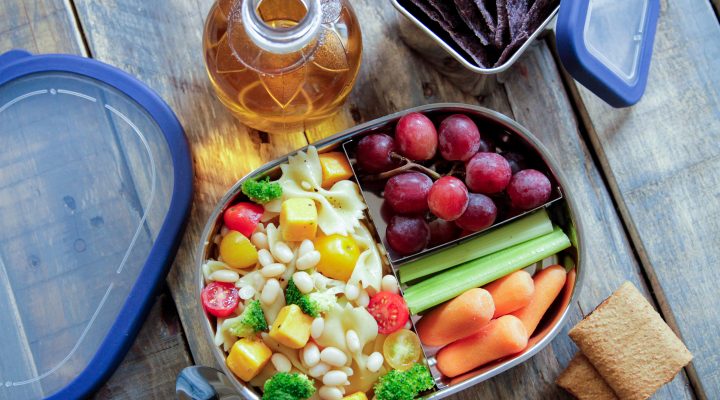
251	321
399	385
293	295
323	301
261	191
287	386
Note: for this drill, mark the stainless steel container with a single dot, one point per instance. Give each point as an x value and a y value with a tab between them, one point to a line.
467	75
564	212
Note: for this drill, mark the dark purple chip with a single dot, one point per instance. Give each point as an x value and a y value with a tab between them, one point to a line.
474	20
461	34
488	12
517	12
540	10
502	31
510	50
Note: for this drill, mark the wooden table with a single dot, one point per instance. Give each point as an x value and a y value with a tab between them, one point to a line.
647	177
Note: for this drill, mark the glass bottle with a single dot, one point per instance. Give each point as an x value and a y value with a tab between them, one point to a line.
282	65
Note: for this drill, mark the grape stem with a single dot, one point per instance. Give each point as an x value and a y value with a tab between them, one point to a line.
407	165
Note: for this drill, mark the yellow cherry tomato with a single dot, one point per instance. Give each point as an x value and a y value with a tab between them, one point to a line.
338	256
402	349
237	251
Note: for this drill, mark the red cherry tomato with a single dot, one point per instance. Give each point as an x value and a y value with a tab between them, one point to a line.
389	310
243	217
220	298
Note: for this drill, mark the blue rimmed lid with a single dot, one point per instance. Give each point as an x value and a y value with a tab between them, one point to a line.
95	189
606	45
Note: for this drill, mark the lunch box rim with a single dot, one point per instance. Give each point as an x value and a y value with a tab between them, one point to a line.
462	59
337	139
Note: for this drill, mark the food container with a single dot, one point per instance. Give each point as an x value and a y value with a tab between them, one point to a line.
564	211
604	45
96	185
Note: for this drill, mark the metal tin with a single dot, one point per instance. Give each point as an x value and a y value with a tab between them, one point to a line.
481	84
567	212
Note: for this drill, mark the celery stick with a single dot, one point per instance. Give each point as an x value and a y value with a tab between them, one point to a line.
476	273
510	234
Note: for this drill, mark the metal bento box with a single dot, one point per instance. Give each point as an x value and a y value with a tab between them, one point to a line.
562	209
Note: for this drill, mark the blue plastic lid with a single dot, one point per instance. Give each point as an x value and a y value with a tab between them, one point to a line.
606	45
95	189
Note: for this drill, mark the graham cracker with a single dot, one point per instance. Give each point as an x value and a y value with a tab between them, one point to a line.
583	381
630	345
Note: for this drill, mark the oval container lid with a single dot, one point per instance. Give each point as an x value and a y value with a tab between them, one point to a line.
606	45
95	189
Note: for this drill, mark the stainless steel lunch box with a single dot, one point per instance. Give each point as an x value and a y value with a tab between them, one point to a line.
467	75
565	210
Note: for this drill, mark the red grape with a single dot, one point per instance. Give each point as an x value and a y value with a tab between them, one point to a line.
407	235
416	137
528	189
448	198
515	160
373	153
442	231
487	173
407	193
459	138
480	213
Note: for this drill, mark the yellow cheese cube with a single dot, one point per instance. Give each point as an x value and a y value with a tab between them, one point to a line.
291	327
356	396
298	219
335	167
248	357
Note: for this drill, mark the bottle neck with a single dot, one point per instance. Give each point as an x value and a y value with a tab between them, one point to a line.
281	39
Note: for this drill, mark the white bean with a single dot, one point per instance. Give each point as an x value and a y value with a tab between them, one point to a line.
389	284
319	370
224	275
270	291
273	270
311	355
305	247
260	240
375	361
334	357
347	370
352	292
363	299
281	362
308	260
281	251
265	258
317	327
330	393
303	281
334	378
246	292
352	341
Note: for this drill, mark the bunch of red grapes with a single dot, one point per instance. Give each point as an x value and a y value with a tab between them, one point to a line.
457	205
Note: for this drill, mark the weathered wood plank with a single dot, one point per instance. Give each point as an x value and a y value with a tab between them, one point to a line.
661	158
38	26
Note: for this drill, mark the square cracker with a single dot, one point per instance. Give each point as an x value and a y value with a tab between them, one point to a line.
630	345
583	381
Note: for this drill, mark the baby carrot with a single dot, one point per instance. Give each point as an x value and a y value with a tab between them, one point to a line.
511	292
500	338
456	319
548	284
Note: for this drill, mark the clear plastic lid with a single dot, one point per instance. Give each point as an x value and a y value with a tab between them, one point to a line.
613	34
607	45
86	180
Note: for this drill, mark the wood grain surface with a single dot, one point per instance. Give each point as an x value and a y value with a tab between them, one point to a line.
160	43
662	160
